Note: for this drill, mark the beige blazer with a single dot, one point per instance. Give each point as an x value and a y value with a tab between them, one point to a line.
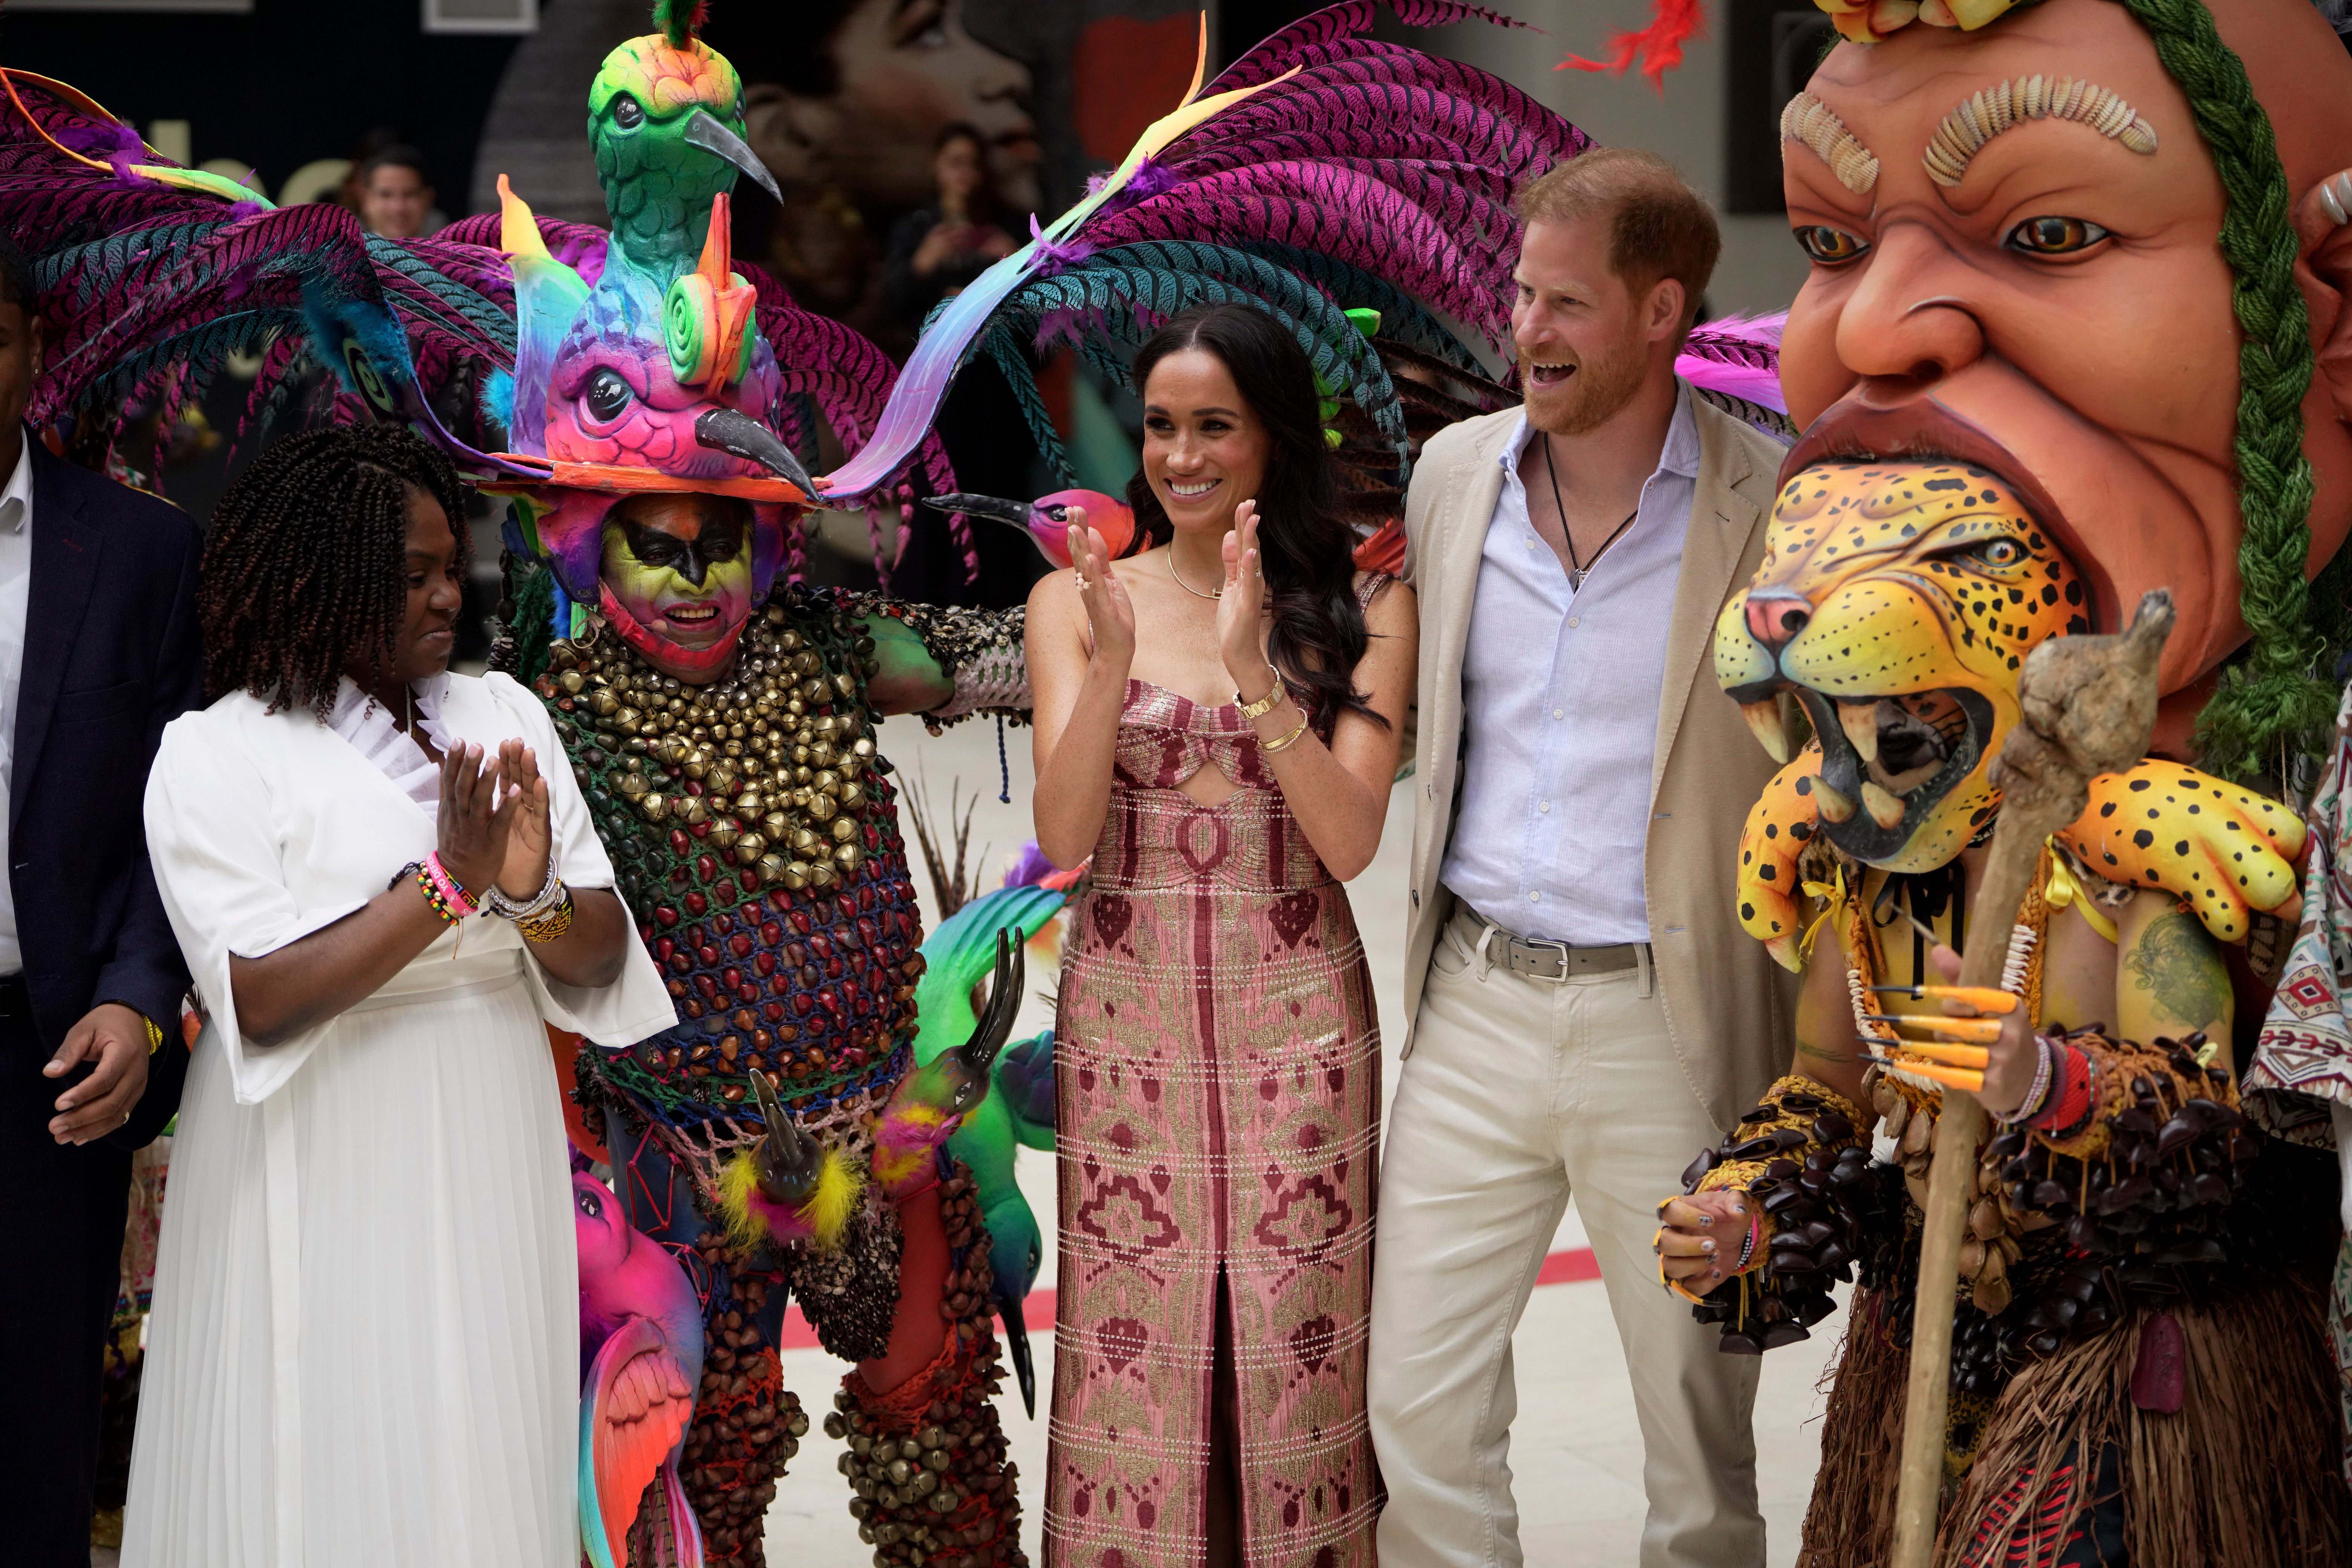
1731	1010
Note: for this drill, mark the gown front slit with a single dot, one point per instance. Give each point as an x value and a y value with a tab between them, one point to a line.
1217	1070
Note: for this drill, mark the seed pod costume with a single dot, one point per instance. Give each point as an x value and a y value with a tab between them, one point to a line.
2139	1369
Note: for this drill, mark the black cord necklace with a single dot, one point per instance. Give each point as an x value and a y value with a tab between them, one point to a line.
1578	569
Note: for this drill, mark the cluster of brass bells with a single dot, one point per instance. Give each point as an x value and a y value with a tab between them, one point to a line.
775	757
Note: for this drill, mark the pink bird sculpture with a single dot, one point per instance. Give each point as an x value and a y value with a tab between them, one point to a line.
641	1340
1046	520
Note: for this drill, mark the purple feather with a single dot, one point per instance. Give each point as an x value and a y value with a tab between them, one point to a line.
1739	355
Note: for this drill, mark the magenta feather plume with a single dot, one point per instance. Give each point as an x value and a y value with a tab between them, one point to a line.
1740	356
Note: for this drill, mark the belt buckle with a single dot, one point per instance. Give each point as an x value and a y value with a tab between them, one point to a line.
1561	948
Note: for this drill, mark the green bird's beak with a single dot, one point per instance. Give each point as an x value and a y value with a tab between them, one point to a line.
703	130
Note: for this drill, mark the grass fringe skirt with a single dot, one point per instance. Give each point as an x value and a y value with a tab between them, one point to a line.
2243	1475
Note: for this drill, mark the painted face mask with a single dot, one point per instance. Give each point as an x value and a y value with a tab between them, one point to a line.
643	386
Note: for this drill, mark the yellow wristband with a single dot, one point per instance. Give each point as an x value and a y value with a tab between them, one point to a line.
154	1033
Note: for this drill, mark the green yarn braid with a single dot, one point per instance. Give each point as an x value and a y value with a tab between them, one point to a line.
2272	697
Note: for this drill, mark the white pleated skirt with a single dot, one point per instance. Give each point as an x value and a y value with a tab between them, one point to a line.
401	1390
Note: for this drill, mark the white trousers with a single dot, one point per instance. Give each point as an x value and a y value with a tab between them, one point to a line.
1519	1094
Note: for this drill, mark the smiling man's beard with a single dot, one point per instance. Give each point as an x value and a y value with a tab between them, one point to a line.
1598	389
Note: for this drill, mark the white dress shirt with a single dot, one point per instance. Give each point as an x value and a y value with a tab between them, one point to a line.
15	596
1560	701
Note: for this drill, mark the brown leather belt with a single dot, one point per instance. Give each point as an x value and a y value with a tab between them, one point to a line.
1541	960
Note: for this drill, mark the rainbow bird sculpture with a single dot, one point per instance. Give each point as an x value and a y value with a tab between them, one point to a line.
641	1341
957	956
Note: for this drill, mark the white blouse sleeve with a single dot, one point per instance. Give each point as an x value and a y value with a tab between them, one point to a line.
637	1004
215	848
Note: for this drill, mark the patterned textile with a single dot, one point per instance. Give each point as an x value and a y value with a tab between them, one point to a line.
1219	1071
2306	1041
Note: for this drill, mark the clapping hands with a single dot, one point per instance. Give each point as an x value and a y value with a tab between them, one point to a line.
1110	616
493	819
1241	607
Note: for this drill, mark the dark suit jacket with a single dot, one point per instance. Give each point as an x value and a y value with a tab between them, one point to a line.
112	655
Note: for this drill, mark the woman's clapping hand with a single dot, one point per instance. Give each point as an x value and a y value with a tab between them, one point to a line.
1241	608
479	806
1111	617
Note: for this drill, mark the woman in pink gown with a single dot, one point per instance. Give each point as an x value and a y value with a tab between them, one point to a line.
1218	721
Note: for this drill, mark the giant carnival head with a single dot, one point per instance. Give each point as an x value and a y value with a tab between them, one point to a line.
645	399
2075	329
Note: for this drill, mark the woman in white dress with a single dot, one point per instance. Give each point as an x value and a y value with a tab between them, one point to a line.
364	1348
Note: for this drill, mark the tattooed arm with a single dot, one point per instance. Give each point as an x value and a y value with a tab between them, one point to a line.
2169	974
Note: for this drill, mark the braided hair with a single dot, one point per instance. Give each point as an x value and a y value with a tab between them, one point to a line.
2273	697
306	563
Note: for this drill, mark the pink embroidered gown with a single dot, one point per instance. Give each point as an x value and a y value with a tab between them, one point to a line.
1218	1067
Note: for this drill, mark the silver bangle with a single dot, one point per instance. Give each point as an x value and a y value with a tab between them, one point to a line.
549	894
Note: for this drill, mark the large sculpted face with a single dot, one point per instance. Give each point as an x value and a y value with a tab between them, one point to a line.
2050	301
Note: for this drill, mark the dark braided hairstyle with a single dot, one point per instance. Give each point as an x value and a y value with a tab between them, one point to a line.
306	563
1303	539
2275	697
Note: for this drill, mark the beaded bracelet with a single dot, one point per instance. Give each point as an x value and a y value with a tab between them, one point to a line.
2037	1093
2074	1097
439	887
553	923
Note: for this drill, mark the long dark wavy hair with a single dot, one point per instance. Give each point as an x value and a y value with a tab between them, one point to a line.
305	567
1302	535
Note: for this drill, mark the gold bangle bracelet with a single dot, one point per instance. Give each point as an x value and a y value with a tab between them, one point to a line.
1270	747
1252	711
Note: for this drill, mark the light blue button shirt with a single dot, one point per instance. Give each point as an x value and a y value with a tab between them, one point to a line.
1560	701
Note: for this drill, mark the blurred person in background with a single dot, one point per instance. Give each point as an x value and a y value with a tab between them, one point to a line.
937	250
394	193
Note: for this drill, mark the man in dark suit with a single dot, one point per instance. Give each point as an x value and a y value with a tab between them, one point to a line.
98	652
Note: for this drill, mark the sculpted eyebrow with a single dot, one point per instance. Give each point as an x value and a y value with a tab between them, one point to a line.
1809	120
1986	115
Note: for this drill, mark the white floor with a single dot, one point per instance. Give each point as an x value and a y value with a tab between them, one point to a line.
1576	1451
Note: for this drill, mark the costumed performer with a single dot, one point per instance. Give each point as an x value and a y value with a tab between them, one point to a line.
1576	985
98	652
653	406
1218	721
2074	331
364	1343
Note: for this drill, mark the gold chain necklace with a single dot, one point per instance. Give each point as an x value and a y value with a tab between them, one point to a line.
1218	593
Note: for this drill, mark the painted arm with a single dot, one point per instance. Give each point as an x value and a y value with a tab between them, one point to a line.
945	663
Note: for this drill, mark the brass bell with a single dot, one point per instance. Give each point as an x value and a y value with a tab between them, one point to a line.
654	806
827	783
853	796
848	856
822	875
571	680
773	870
696	812
634	784
822	755
791	639
804	841
821	807
724	832
775	824
795	875
844	829
604	703
750	847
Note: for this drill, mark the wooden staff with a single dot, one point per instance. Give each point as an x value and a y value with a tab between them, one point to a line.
2088	705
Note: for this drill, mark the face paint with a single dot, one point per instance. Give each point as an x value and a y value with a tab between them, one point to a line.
679	568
